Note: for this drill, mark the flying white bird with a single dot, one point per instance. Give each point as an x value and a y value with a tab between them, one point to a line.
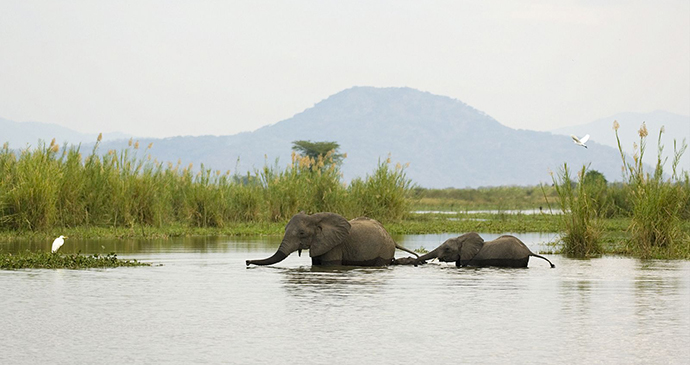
58	243
580	141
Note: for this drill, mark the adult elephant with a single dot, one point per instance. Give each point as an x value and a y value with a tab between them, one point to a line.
333	241
471	250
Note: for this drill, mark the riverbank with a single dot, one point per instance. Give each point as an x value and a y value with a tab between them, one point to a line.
614	229
415	223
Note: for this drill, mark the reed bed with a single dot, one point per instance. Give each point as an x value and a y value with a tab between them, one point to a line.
659	202
580	225
657	205
50	187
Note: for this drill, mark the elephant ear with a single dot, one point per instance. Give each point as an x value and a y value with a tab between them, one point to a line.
331	230
471	244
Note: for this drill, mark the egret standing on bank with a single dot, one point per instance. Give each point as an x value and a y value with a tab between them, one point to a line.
580	141
58	243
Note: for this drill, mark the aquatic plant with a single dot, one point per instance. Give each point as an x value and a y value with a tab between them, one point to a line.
658	201
580	225
46	260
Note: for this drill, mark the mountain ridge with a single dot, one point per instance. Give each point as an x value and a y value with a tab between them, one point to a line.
447	142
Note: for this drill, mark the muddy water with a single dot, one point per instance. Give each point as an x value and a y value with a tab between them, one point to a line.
200	304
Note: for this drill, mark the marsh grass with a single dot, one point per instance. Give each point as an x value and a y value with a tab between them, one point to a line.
49	187
482	198
580	224
658	202
382	195
46	260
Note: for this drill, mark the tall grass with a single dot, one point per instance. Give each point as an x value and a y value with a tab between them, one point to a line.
579	219
658	205
658	201
384	194
49	186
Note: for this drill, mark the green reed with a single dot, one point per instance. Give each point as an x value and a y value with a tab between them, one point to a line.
384	194
659	202
51	187
580	224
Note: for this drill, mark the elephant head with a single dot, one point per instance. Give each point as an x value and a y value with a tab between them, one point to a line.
319	233
462	248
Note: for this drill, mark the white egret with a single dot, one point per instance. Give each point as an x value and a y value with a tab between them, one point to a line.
580	141
58	243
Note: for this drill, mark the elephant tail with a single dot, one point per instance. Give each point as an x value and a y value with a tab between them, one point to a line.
406	250
542	257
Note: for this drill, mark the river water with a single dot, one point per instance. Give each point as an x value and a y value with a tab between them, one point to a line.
201	304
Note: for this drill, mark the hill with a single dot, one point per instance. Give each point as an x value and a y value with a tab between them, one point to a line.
446	142
21	134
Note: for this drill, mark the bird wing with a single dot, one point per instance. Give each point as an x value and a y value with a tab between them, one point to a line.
585	138
574	138
56	244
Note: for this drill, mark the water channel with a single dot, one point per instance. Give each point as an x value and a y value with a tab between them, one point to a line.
199	303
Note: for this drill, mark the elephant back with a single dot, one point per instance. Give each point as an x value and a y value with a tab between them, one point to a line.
505	247
368	240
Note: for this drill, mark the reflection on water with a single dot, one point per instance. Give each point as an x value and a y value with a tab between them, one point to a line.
337	286
205	306
131	246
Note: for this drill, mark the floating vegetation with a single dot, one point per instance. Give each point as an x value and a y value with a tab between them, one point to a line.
46	260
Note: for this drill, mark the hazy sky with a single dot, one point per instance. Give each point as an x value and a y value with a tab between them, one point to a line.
165	68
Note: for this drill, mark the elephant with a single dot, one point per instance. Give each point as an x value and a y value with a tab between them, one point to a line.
332	240
470	250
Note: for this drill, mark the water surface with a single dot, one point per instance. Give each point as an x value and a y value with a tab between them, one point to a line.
201	304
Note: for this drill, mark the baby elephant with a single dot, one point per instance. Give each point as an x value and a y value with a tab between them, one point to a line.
471	250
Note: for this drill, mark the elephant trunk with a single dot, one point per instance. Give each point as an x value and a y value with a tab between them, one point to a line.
286	248
277	257
431	255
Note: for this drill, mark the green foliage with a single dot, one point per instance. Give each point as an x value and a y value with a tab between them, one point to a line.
43	189
326	150
383	195
601	196
46	260
658	203
579	219
307	184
